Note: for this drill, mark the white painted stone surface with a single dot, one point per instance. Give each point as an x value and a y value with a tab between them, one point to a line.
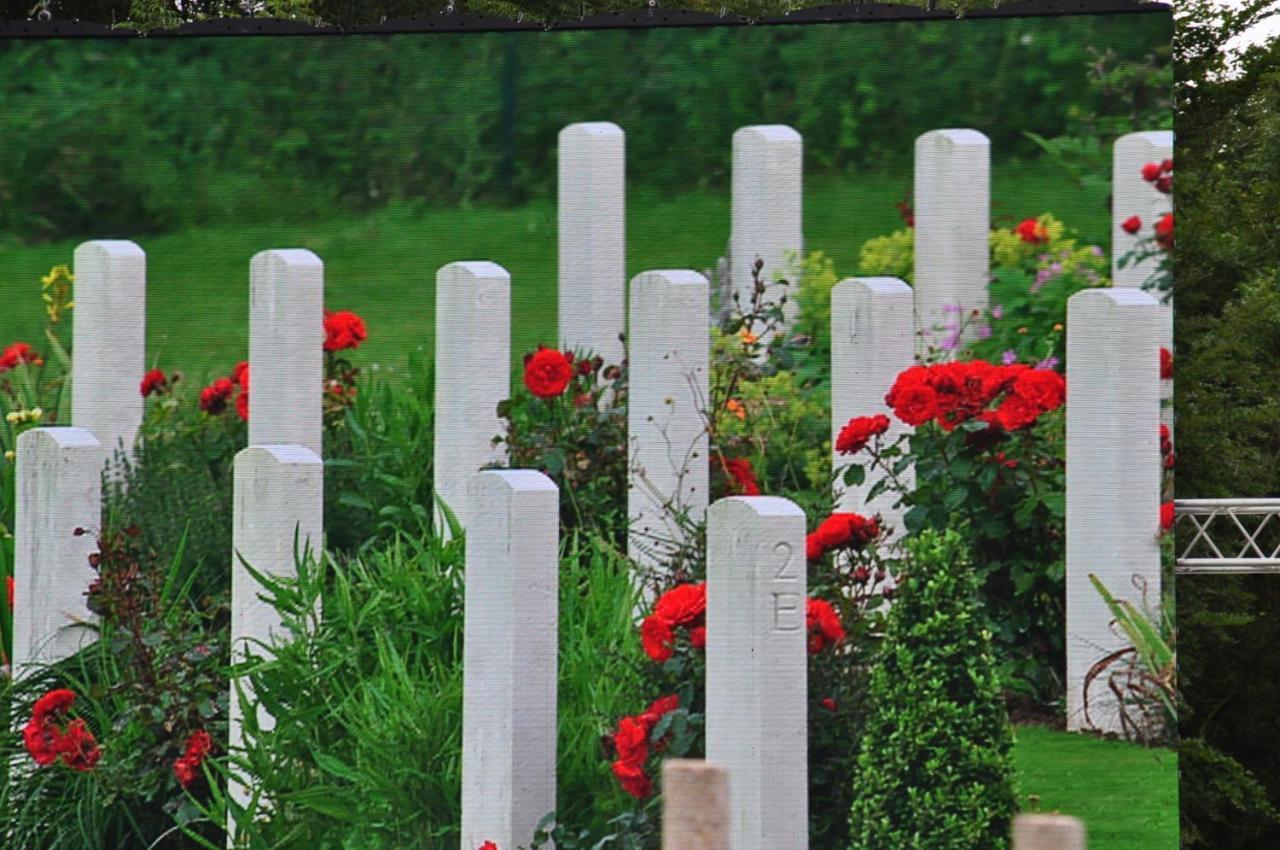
510	647
872	342
591	207
1048	832
757	679
767	191
59	489
695	805
1131	195
109	340
952	210
278	500
669	367
286	349
1112	498
473	374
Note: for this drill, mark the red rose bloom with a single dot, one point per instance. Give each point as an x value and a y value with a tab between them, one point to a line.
1166	516
658	709
828	703
342	330
658	639
1166	364
1131	225
41	740
913	402
240	374
631	741
17	354
633	779
840	530
8	580
488	845
825	628
1031	231
1164	231
547	372
682	604
1014	413
213	398
742	475
154	382
1043	388
54	702
77	747
1151	172
698	637
859	431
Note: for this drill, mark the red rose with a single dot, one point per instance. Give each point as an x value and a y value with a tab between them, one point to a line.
41	740
825	628
913	403
1014	413
186	770
17	354
242	405
844	529
547	372
1166	516
1164	231
1031	231
54	702
1166	364
682	604
828	703
213	398
1151	172
658	709
240	374
813	548
343	330
199	744
77	747
488	845
8	580
742	475
154	382
698	637
1131	225
633	779
657	637
1043	388
859	431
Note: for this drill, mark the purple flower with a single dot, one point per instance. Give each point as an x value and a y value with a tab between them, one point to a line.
1009	357
950	343
984	332
1049	362
1096	251
997	312
951	308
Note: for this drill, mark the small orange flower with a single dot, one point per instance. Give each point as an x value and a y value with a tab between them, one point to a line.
735	407
747	337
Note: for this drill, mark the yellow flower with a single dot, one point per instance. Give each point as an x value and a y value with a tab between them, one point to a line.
35	414
747	337
13	417
735	407
9	455
57	294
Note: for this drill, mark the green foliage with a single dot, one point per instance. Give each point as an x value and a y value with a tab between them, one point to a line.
371	681
935	771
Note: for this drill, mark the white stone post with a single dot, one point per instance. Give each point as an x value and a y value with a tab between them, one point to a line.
286	349
1048	832
592	235
872	341
757	680
695	805
473	374
510	647
952	229
1131	195
59	489
109	340
767	190
278	502
1113	496
666	426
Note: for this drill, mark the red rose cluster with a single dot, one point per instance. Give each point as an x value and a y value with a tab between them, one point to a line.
741	475
631	745
951	393
1160	175
682	607
342	330
47	740
824	626
1166	516
155	382
488	845
840	531
215	397
187	768
1032	232
1166	364
19	354
1166	447
859	431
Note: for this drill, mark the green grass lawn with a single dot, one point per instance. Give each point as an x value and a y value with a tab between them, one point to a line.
383	264
1126	795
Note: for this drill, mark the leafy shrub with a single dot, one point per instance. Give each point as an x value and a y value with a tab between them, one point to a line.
935	771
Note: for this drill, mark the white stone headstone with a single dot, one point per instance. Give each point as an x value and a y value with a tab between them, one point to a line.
277	503
669	371
757	668
952	211
592	235
286	349
872	342
109	341
1048	832
59	489
473	374
768	168
510	647
695	805
1113	496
